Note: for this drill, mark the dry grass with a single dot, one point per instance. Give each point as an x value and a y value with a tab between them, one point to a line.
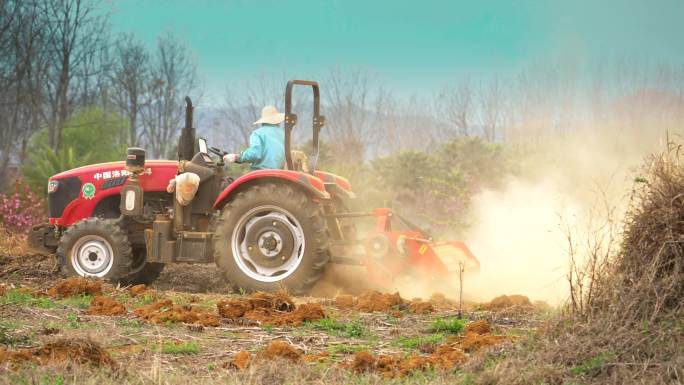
625	320
12	243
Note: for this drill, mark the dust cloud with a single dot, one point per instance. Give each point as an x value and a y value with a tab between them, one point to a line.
520	231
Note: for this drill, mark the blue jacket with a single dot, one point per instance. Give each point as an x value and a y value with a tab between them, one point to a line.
266	148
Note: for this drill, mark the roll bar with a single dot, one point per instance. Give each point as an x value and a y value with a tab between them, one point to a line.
291	121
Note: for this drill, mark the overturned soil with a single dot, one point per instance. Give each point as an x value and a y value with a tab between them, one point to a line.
372	301
445	357
366	333
165	311
75	286
270	309
106	306
508	301
60	351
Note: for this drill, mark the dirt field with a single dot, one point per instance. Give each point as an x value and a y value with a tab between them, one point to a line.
186	328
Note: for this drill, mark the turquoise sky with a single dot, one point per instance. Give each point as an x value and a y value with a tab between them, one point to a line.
411	46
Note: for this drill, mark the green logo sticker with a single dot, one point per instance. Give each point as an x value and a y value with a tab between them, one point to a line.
88	190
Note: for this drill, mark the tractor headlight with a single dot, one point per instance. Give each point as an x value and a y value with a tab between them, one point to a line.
52	186
130	200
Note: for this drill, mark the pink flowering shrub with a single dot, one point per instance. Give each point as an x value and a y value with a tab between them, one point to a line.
22	209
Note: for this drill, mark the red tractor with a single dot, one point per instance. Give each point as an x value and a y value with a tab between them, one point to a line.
264	230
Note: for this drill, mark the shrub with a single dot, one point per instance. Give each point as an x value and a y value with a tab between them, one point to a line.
22	209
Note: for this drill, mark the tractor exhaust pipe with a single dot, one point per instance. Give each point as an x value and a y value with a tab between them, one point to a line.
186	142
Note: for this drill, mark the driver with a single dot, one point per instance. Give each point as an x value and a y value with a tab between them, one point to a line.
266	144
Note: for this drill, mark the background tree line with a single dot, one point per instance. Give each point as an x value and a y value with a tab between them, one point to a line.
73	93
64	76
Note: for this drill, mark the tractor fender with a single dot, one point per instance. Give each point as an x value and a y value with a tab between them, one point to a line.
308	183
336	185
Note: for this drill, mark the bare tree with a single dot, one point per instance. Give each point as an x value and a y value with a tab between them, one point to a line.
349	110
242	106
130	77
21	75
74	31
490	104
173	77
455	104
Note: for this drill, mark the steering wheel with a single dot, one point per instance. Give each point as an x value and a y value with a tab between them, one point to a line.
217	151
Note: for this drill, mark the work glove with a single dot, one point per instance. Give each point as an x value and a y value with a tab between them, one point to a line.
231	158
171	186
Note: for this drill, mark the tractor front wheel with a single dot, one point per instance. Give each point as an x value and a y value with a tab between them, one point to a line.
271	236
97	248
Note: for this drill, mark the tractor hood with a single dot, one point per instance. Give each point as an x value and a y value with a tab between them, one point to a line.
74	194
114	167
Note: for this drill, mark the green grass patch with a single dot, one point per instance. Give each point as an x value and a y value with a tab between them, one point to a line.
447	325
351	329
415	342
23	298
17	297
143	300
129	323
347	349
6	335
80	301
180	348
72	321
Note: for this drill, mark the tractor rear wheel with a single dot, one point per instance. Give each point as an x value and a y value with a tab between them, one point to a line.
97	248
271	236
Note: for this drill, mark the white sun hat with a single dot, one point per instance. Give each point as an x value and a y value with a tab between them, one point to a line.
270	115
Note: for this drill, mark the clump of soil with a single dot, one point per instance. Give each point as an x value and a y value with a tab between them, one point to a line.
472	342
445	357
479	327
508	301
241	360
138	290
75	286
420	307
233	308
280	349
165	311
72	350
102	305
440	301
363	362
315	357
372	301
345	301
271	309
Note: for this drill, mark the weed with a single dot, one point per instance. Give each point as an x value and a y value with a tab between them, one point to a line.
346	349
49	380
593	365
16	297
180	348
417	341
352	329
72	321
269	329
81	301
130	323
211	366
449	325
44	303
144	299
8	339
